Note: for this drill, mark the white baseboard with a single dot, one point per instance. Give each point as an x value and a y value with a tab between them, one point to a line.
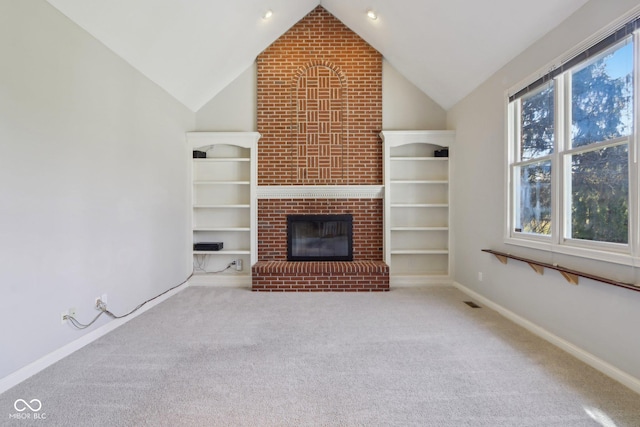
606	368
221	280
409	281
44	362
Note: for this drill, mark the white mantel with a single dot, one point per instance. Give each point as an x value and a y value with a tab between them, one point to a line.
320	192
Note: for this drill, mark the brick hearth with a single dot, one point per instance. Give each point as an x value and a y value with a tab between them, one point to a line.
322	276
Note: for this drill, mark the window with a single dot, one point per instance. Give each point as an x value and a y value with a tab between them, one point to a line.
601	95
572	174
532	170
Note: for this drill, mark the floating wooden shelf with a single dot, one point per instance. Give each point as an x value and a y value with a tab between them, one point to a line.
571	276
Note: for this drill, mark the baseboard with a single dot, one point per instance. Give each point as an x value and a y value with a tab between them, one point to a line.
400	281
221	280
44	362
606	368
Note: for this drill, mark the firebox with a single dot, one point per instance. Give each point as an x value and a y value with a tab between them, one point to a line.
320	237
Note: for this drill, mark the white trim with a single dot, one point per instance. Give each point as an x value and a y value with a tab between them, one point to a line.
407	281
320	192
508	158
595	362
396	138
581	252
44	362
221	280
634	200
253	200
202	139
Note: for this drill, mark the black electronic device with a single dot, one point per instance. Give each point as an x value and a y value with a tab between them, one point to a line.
199	154
207	246
441	153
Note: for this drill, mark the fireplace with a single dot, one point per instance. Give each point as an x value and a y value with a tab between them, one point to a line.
319	111
329	254
320	237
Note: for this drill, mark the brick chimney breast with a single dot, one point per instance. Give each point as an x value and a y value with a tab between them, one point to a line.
319	111
319	106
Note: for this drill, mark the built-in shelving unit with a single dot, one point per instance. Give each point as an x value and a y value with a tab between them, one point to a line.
223	207
416	206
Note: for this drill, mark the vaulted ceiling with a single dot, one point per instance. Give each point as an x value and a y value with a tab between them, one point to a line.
194	48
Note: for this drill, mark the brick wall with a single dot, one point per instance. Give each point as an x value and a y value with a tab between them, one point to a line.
354	276
319	114
319	106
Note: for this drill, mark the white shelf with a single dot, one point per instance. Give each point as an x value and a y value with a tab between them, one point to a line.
419	159
397	138
420	205
419	181
221	206
419	228
419	251
221	159
221	182
221	229
224	252
417	217
420	278
224	207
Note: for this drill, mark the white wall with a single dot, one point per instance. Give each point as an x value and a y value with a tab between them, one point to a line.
234	108
598	318
92	182
404	106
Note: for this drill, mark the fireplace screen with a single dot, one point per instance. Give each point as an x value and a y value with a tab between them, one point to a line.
320	238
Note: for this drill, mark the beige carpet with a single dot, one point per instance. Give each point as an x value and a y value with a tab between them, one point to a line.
409	357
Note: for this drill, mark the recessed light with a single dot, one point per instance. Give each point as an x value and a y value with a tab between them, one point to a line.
372	14
268	14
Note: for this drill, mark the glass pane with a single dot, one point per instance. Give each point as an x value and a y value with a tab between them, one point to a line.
600	195
537	118
534	195
602	98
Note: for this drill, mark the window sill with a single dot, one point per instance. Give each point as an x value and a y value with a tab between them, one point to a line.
621	258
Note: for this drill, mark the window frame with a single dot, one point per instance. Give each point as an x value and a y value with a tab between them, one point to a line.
559	239
515	162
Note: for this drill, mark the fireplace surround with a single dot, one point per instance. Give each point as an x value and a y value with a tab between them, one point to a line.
273	273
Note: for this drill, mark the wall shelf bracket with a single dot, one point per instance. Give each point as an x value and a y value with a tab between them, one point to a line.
503	259
537	268
571	276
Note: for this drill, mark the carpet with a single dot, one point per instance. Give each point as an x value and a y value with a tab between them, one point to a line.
408	357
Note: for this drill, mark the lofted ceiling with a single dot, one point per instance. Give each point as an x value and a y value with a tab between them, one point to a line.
194	48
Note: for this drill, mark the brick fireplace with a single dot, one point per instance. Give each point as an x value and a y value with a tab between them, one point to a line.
319	114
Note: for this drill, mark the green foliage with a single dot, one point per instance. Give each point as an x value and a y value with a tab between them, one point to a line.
537	123
601	110
600	195
600	178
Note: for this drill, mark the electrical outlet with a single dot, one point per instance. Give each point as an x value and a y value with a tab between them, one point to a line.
63	316
100	302
480	276
239	264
